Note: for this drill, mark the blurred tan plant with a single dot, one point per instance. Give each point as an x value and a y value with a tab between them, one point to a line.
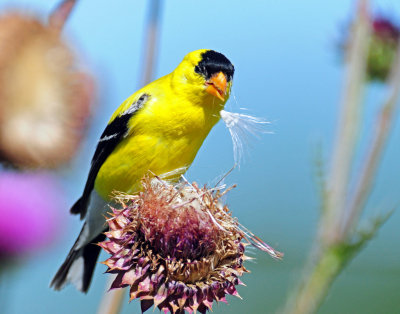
44	97
340	237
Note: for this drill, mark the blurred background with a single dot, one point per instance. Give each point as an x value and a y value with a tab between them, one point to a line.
289	71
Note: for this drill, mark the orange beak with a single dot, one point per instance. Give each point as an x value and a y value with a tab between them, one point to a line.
216	85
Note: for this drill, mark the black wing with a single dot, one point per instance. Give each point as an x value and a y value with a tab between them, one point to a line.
115	131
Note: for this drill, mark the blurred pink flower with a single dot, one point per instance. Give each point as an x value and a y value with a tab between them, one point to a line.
30	215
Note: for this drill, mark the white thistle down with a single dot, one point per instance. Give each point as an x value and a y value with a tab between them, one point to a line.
240	126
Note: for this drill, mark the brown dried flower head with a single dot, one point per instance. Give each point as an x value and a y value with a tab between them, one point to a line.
44	99
177	248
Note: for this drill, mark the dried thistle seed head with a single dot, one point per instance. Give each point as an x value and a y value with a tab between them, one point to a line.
177	248
44	99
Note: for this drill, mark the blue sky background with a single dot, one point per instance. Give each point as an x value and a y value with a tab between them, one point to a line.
287	71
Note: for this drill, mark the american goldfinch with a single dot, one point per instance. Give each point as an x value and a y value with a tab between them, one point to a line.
158	129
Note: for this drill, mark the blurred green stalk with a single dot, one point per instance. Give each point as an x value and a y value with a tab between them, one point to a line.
348	128
338	240
313	290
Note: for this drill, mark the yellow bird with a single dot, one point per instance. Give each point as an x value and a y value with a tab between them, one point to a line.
159	128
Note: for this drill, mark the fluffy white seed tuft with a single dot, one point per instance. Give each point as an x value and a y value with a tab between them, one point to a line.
242	127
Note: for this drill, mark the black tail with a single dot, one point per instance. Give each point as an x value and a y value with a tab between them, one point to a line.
79	207
76	208
83	272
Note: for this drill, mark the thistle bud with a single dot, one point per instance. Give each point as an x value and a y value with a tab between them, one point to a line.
382	48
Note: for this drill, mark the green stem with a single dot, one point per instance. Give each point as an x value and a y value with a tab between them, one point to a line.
383	126
348	128
313	289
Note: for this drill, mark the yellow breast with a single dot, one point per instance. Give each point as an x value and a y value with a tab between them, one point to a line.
164	135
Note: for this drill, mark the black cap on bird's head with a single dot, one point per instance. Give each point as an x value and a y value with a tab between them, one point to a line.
212	63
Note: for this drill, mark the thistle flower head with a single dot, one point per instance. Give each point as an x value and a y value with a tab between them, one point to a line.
176	247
